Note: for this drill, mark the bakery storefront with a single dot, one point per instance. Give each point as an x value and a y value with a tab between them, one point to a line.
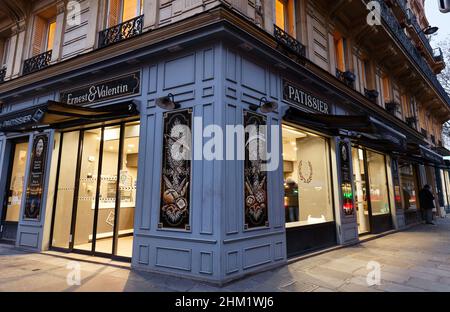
361	181
307	173
80	155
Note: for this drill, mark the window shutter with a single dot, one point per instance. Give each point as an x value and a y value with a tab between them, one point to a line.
39	35
114	13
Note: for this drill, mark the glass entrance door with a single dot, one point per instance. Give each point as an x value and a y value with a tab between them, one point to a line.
95	200
361	201
14	191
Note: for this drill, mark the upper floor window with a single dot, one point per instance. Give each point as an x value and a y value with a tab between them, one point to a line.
4	48
367	75
120	11
387	93
284	15
44	34
340	46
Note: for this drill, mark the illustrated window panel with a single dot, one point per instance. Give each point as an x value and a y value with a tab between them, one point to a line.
255	177
307	178
176	171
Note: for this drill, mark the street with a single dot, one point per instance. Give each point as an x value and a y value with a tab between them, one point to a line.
414	260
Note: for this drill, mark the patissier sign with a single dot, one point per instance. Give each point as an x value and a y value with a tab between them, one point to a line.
125	85
298	96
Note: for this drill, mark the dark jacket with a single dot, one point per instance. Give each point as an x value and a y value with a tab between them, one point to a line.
426	199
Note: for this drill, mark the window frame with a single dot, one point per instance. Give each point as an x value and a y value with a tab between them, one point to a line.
330	181
139	11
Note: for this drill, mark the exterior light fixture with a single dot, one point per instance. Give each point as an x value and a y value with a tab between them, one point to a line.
167	102
430	30
266	106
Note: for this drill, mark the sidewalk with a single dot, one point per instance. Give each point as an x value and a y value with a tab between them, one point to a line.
414	260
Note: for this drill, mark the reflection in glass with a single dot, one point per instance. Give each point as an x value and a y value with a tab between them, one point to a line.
87	190
306	171
65	189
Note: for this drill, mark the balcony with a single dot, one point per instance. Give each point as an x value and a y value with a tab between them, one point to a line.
346	77
2	74
424	132
37	62
393	107
120	32
371	94
396	30
411	121
289	43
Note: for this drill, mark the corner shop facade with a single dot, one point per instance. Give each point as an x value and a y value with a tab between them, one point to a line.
337	172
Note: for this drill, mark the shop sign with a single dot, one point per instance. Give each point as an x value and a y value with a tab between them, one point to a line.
36	174
346	180
300	97
125	85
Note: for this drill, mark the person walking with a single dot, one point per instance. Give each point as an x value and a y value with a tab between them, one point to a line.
426	199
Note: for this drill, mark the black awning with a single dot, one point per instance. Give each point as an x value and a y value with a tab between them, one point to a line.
59	115
424	154
360	128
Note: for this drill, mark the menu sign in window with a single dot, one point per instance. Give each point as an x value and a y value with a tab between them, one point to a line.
35	185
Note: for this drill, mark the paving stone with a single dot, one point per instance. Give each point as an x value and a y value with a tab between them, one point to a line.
298	287
394	287
428	285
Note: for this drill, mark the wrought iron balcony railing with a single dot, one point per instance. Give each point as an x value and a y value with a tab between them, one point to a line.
346	77
433	139
371	94
412	51
413	20
424	132
411	121
125	30
288	42
2	74
37	62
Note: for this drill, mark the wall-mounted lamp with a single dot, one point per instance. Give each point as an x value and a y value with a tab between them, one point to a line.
266	106
167	102
430	30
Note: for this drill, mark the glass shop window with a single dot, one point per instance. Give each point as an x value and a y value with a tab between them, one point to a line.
120	11
340	51
44	34
306	170
284	15
409	188
379	198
